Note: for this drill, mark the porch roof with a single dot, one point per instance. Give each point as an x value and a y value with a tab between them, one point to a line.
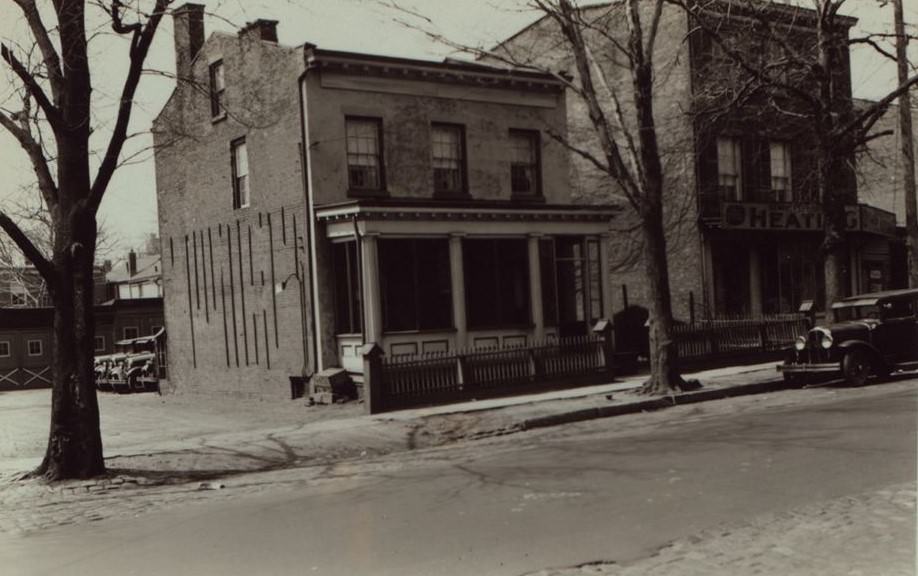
464	210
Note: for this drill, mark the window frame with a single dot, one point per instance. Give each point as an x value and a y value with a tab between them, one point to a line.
463	189
217	109
9	349
96	340
736	149
237	196
124	330
41	348
787	193
534	137
379	190
353	291
417	284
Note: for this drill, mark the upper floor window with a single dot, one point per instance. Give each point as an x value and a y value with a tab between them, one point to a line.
217	88
4	348
525	169
19	296
241	196
780	172
99	344
729	169
364	154
448	158
130	332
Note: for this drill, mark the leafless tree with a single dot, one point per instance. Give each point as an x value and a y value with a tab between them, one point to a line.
53	128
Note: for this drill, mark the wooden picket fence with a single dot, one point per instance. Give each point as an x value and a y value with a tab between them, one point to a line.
440	378
724	337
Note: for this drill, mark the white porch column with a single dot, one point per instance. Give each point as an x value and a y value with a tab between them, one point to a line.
535	287
372	310
457	280
605	276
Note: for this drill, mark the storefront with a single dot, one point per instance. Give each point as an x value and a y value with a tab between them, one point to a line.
766	259
422	279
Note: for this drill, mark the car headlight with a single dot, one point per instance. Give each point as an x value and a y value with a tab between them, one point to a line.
800	343
826	341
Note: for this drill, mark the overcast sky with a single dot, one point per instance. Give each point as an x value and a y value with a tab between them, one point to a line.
129	209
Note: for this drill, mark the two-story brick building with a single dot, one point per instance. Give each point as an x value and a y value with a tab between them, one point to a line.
744	223
428	210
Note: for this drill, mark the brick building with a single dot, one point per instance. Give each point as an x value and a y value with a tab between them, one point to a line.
744	225
429	210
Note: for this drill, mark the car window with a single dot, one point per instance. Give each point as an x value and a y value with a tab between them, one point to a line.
898	309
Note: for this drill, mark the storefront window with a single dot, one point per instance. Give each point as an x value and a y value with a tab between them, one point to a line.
791	273
414	277
496	282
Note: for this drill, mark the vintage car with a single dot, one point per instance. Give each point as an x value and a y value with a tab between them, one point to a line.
873	335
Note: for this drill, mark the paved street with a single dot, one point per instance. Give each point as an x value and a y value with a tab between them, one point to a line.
751	485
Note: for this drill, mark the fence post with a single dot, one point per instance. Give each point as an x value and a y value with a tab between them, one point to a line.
460	371
373	396
763	334
604	329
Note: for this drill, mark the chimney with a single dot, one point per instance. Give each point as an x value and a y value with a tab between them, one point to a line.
132	263
260	30
188	25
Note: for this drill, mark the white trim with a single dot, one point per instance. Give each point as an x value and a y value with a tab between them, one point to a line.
96	348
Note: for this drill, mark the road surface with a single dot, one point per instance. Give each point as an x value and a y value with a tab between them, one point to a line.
614	490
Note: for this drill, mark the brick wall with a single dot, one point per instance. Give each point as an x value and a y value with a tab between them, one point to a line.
233	299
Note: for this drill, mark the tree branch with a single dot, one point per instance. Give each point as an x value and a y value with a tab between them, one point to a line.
49	54
36	156
34	255
140	46
51	111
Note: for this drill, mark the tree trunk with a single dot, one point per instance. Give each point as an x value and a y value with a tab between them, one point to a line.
664	372
74	443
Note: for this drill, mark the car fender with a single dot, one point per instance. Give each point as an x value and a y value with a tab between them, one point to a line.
871	349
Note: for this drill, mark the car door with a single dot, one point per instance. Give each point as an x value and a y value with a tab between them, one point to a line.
896	335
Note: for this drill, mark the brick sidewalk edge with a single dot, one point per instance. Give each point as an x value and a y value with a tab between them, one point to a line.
652	404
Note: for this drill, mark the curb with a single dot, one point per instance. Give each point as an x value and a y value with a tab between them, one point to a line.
654	404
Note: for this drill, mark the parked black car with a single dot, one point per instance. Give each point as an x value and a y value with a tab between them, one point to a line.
874	335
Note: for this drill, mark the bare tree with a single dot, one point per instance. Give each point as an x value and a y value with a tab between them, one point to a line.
56	98
803	75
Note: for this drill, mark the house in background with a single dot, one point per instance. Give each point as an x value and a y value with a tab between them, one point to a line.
139	276
331	199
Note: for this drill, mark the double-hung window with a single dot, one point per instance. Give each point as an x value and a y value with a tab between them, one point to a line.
525	170
35	348
217	88
4	348
780	173
729	169
241	196
364	154
348	301
130	332
448	158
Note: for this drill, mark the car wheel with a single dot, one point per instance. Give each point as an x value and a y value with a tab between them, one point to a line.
856	367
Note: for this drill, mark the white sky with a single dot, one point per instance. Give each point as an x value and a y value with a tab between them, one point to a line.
129	209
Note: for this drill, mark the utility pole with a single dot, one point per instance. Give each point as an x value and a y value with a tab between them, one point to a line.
907	156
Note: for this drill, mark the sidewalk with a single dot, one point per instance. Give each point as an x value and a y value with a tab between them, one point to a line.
162	451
